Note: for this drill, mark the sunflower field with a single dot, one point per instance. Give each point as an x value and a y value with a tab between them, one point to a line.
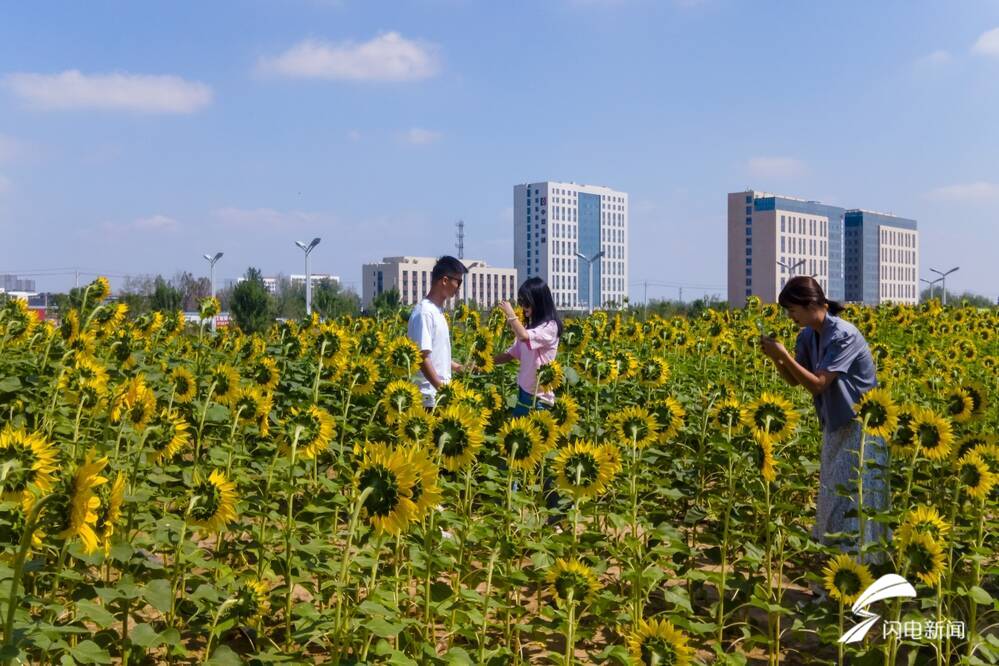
171	495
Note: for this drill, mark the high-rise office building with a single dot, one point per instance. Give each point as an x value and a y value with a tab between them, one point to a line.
855	255
552	221
881	258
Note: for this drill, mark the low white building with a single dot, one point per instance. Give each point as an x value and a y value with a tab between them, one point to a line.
271	283
484	284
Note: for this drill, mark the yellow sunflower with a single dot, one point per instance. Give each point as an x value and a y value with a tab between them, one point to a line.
767	464
627	364
960	405
727	414
521	443
402	357
391	478
214	504
254	406
399	397
925	558
770	418
457	434
654	372
634	426
597	367
317	429
332	341
584	469
210	307
252	601
922	520
416	426
73	512
933	434
877	412
361	376
575	335
845	579
426	493
655	642
185	386
110	511
264	373
27	459
572	578
172	435
99	289
611	453
135	405
975	476
551	376
565	411
226	382
670	416
84	380
547	428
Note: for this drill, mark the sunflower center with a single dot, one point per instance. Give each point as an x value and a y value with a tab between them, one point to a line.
384	486
875	413
929	436
635	428
659	651
770	418
728	416
919	558
208	503
847	582
581	469
570	580
956	405
452	435
971	476
517	444
17	465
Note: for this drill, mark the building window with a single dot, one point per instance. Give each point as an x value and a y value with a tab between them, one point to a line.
749	210
749	198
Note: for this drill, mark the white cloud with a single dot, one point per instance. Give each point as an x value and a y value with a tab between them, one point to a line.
156	223
938	58
988	43
354	135
421	137
776	167
977	191
109	92
387	57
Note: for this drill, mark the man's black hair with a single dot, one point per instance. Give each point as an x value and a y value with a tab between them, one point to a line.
535	294
447	265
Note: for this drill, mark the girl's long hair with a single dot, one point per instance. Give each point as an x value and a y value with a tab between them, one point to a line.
535	294
804	291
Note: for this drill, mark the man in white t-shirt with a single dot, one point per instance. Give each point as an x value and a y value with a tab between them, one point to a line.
429	330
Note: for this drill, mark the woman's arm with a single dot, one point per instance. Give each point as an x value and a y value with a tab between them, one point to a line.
815	382
504	357
785	373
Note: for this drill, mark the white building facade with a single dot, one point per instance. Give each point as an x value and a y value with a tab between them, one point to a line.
552	221
411	276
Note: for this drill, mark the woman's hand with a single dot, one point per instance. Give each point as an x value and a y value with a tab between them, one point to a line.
507	309
772	348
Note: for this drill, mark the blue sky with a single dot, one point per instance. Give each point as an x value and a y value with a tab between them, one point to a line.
135	137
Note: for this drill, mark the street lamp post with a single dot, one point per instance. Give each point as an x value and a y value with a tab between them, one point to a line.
211	259
308	276
943	280
589	268
931	283
790	268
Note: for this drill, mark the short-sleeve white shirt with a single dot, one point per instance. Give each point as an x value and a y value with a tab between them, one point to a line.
429	330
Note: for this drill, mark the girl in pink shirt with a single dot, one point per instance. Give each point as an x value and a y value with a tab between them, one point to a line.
536	343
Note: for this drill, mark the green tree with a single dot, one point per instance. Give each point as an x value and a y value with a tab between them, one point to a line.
330	300
250	306
165	297
288	300
387	302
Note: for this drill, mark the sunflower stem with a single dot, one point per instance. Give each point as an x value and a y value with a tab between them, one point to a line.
976	579
15	580
485	604
289	528
861	515
345	563
570	637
